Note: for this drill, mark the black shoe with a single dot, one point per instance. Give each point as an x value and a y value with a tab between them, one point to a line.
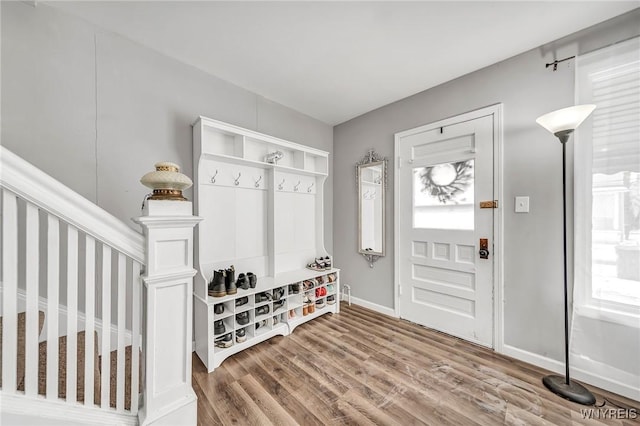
327	262
296	288
241	335
262	297
243	282
216	286
277	305
253	280
218	309
242	301
230	281
262	310
278	293
218	327
331	299
225	341
242	318
262	323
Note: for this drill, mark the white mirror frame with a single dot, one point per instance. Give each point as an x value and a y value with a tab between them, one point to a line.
371	159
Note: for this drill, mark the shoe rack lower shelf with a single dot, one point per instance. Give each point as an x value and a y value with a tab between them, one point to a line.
275	307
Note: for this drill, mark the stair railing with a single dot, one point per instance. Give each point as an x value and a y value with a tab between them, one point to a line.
69	259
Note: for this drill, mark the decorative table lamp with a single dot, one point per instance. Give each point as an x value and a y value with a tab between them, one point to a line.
167	182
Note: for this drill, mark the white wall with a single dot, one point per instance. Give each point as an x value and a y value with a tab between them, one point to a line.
533	302
96	110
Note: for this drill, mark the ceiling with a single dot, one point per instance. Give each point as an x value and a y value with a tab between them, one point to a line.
336	60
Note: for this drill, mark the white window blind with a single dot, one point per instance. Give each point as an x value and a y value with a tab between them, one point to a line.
605	331
607	177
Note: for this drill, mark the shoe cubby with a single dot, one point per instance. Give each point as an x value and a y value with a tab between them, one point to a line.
263	326
262	202
224	312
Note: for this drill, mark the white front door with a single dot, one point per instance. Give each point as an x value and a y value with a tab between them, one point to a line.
444	174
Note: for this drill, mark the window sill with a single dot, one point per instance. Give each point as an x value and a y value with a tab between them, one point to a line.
629	318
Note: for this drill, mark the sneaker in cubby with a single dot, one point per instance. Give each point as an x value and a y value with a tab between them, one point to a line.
308	284
294	288
242	301
330	288
243	318
278	304
278	293
332	277
241	335
263	297
218	327
320	304
320	280
262	310
321	291
261	324
292	313
331	299
224	341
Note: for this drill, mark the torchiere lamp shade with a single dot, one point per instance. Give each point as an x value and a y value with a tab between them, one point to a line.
566	118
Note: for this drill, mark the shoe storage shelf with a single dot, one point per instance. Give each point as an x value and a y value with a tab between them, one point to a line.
261	199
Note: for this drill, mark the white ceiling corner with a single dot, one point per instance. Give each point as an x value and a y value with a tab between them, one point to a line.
336	60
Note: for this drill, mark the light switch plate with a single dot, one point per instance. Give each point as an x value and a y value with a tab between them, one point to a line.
522	204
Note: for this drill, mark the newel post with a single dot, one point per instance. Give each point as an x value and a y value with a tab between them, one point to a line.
168	398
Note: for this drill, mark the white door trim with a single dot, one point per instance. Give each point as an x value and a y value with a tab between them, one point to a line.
498	219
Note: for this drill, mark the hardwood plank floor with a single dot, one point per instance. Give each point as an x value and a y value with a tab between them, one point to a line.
363	368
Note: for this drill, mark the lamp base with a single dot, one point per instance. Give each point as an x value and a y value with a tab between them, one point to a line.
167	194
574	391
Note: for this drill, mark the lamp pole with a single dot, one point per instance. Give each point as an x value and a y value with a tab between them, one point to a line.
559	385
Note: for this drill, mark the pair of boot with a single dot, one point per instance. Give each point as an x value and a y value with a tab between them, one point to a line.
223	282
247	281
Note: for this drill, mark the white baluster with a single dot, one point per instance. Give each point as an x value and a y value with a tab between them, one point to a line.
9	290
136	311
53	295
90	323
122	306
32	280
72	314
106	327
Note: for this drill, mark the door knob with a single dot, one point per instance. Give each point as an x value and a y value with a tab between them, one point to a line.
484	248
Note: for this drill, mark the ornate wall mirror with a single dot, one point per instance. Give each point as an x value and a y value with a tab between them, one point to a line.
371	179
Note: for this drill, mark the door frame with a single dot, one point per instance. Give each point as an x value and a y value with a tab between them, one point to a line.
495	111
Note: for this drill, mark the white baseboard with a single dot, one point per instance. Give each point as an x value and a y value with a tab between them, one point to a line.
22	410
615	386
374	307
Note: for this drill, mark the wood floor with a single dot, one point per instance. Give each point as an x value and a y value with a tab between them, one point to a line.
361	367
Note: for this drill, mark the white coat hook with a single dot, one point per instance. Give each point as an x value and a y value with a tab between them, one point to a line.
258	182
213	178
236	181
281	185
310	186
295	188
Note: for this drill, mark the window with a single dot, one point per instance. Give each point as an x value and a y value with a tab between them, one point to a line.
607	181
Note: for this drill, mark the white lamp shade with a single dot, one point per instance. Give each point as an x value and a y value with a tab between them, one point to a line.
566	118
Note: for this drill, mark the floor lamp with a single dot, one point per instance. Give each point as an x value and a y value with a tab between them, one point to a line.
562	123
